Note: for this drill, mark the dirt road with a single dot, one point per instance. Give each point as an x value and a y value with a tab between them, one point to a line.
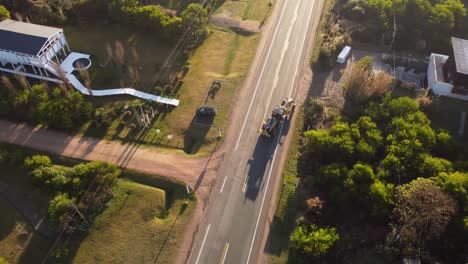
129	156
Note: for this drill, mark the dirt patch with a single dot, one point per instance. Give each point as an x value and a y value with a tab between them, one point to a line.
236	25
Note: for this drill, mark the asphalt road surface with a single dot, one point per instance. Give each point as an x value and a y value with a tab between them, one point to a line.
233	226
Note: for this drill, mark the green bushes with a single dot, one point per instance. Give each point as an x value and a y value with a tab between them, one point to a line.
59	207
153	17
37	161
10	158
57	108
388	168
4	14
312	240
158	19
436	21
85	180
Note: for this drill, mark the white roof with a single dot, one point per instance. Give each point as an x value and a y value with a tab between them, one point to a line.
345	51
29	29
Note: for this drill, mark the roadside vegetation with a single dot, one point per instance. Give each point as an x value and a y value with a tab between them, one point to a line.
373	179
129	43
106	215
347	22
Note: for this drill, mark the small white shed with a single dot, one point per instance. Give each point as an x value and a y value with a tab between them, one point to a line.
344	54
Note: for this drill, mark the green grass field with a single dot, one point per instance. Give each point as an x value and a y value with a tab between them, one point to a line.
149	227
253	10
218	58
143	231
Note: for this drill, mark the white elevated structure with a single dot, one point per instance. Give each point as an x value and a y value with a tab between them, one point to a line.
31	48
43	53
344	54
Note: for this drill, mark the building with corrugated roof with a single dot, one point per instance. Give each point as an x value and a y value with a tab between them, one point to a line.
447	75
32	50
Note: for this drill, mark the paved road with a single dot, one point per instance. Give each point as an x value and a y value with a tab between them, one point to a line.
232	229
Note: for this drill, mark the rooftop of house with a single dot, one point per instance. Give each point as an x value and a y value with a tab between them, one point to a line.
24	37
460	54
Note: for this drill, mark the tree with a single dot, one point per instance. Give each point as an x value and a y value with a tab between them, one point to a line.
50	176
422	214
381	195
456	184
37	161
59	207
433	166
195	17
312	240
360	178
4	14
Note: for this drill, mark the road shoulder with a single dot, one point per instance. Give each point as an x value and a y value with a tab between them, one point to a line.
304	85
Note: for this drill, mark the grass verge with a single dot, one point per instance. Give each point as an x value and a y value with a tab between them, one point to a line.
147	227
284	218
315	56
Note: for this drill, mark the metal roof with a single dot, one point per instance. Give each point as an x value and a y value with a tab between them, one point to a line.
23	37
460	54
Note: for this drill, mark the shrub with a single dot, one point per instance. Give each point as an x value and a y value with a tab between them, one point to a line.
3	261
314	111
50	176
4	14
59	207
313	241
3	156
37	161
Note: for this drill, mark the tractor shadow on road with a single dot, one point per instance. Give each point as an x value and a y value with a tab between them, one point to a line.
258	166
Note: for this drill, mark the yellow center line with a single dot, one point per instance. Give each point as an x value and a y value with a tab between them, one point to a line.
223	255
244	186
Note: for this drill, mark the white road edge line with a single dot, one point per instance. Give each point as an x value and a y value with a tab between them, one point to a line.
203	243
264	194
299	61
269	174
222	187
283	53
261	73
225	251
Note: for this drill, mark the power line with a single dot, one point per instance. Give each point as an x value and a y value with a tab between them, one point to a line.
393	43
167	63
71	218
154	78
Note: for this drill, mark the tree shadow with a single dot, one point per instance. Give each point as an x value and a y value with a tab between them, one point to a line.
36	249
8	221
181	211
